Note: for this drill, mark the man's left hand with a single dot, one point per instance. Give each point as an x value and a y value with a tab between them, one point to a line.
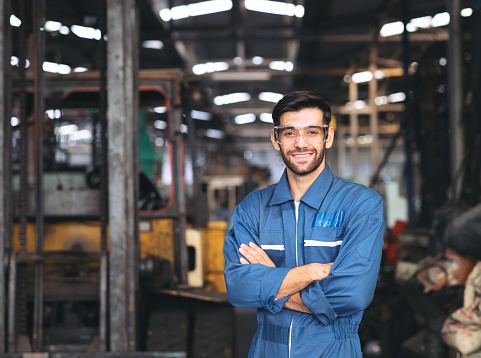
254	255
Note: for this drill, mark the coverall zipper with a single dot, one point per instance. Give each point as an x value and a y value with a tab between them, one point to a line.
297	264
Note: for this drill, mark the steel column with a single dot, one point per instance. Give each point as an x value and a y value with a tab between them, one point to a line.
39	86
3	124
455	93
374	113
181	258
122	166
354	128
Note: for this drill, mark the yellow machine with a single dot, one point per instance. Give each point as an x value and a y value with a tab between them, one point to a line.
60	297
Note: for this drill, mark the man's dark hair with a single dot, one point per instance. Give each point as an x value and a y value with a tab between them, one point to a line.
296	101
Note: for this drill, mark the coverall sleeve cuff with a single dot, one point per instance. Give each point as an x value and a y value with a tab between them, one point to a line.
270	285
313	298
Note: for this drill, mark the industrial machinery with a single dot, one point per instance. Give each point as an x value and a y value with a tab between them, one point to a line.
60	285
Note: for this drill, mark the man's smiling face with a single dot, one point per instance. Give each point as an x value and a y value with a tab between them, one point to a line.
302	157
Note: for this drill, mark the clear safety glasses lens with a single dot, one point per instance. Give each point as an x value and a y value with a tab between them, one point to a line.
289	135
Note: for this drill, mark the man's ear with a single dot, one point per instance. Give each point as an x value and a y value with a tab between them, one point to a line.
330	137
274	143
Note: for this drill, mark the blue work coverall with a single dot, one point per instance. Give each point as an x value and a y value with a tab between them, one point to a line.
338	221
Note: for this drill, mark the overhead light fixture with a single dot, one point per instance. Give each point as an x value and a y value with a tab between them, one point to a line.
281	66
153	44
257	60
209	67
392	28
397	97
53	113
270	97
64	30
66	130
245	118
214	133
161	109
160	124
86	32
275	7
52	26
362	77
14	61
56	68
232	98
467	12
14	121
441	19
80	69
359	104
425	22
15	21
266	117
203	116
197	9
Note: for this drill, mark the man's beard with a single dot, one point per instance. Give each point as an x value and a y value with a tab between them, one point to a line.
301	169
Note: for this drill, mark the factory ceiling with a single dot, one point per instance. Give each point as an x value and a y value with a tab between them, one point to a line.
243	49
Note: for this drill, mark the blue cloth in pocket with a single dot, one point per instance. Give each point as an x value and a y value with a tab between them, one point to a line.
329	219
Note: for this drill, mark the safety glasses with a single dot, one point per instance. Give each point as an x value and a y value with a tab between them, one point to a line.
312	133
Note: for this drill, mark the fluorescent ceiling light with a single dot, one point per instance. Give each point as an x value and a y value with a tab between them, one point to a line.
15	21
266	117
84	134
245	118
66	130
53	113
209	67
56	68
361	77
381	100
214	133
422	22
441	19
197	9
391	29
64	30
257	60
160	109
281	66
397	97
160	124
275	7
153	44
53	26
466	12
359	104
203	116
80	69
232	98
270	97
86	32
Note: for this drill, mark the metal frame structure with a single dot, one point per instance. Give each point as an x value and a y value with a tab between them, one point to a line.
118	297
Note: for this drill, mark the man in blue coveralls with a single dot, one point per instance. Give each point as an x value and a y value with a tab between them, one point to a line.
305	251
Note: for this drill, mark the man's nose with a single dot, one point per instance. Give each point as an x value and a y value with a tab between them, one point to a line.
301	141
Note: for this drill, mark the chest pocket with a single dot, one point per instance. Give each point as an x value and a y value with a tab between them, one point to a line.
272	242
323	244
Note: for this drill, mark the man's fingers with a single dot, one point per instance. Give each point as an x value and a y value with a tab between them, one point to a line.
262	255
243	261
247	252
255	255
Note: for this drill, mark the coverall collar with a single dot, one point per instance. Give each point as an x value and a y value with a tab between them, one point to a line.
314	195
